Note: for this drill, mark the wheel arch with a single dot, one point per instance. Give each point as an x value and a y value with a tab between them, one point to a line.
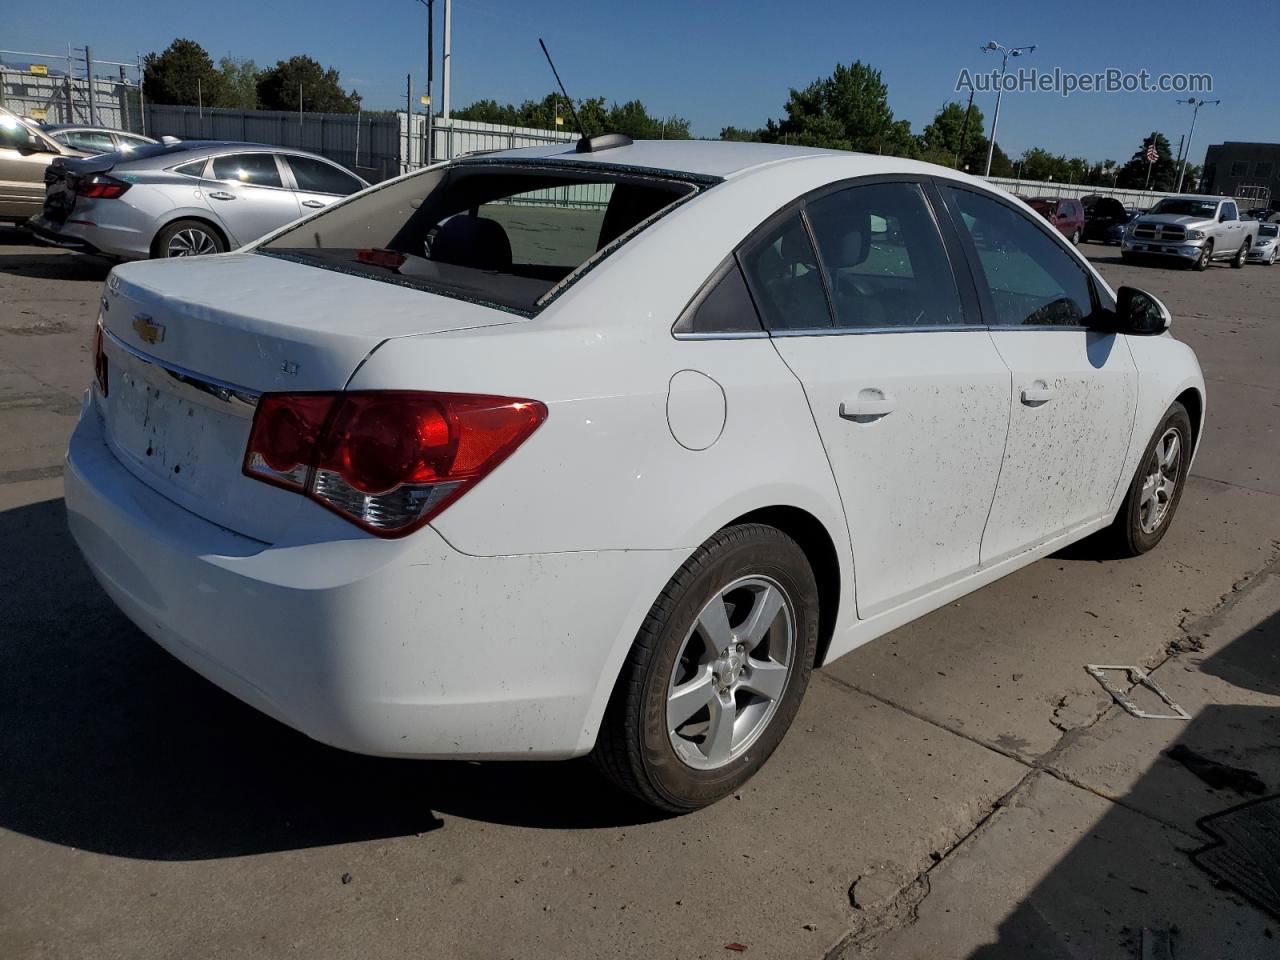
1193	400
183	215
820	549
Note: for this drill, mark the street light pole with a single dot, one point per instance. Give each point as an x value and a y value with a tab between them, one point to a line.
431	72
1005	53
1196	105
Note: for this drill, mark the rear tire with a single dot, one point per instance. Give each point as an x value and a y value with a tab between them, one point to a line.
1075	238
687	726
1237	262
1156	488
188	238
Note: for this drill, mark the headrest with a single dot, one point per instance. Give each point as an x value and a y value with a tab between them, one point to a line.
476	242
846	241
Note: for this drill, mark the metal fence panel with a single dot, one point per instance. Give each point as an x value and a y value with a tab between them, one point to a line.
57	98
1140	199
366	144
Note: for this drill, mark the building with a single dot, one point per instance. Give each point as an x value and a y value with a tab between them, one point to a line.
1250	171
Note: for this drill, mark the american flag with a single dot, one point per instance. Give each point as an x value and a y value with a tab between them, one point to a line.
1152	154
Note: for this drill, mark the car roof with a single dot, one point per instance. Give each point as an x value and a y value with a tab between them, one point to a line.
708	158
185	150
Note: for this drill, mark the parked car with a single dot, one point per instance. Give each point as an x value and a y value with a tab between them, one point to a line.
1104	219
95	140
1115	230
450	470
184	198
1195	230
25	154
1065	213
1266	245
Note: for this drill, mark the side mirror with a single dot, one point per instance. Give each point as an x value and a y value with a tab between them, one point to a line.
1140	313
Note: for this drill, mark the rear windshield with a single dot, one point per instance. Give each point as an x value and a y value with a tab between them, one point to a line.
503	234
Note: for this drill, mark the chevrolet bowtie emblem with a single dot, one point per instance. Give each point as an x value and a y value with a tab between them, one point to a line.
148	331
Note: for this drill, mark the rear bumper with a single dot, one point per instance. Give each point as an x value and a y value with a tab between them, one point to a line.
124	243
394	648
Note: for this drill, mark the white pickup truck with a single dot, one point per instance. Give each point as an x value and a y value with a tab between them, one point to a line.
1196	230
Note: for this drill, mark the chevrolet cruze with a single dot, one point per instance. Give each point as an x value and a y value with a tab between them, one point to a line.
602	450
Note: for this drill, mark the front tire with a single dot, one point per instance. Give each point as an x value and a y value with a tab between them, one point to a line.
716	673
189	238
1206	256
1156	489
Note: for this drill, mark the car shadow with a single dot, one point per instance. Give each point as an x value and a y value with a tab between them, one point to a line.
108	744
47	263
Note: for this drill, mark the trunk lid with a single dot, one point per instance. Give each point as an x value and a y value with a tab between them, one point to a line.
61	177
191	343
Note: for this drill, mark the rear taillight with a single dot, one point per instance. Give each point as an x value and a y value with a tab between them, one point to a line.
99	360
100	187
388	461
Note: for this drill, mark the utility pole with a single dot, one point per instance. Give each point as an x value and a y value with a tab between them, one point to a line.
1005	54
299	113
964	132
1196	104
88	75
446	81
408	118
142	96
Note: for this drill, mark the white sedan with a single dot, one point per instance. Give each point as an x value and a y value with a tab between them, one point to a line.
556	452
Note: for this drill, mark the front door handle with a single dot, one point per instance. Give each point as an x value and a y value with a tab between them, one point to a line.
1036	394
870	405
312	203
222	195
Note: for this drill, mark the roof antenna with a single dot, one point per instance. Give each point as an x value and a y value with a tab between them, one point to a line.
576	122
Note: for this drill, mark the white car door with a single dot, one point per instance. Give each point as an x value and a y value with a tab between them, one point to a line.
248	195
319	183
909	395
1074	391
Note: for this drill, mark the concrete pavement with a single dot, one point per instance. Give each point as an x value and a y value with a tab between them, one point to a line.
965	763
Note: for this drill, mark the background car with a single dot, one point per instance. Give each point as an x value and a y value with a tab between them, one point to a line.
1104	219
25	154
453	469
1065	213
185	198
1266	245
95	140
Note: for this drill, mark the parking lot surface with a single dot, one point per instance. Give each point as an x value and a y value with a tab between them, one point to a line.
958	788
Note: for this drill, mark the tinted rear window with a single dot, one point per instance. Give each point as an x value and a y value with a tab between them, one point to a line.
503	234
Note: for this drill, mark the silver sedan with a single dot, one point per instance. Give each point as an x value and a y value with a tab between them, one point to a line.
183	199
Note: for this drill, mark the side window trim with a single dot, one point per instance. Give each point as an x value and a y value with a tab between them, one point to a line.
975	264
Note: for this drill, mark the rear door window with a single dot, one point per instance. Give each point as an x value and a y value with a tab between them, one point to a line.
786	282
316	176
884	258
89	141
258	169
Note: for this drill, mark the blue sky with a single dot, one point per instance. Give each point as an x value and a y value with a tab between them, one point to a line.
722	62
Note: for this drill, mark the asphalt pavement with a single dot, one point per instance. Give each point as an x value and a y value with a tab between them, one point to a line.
958	788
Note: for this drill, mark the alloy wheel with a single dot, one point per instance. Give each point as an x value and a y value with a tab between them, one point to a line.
731	672
190	243
1161	481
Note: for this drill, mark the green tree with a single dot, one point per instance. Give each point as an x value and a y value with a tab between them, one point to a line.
953	141
240	82
1164	173
631	118
321	90
183	74
741	135
848	110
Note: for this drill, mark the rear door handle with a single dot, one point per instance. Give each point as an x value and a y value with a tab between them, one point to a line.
870	405
221	195
1036	394
312	203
